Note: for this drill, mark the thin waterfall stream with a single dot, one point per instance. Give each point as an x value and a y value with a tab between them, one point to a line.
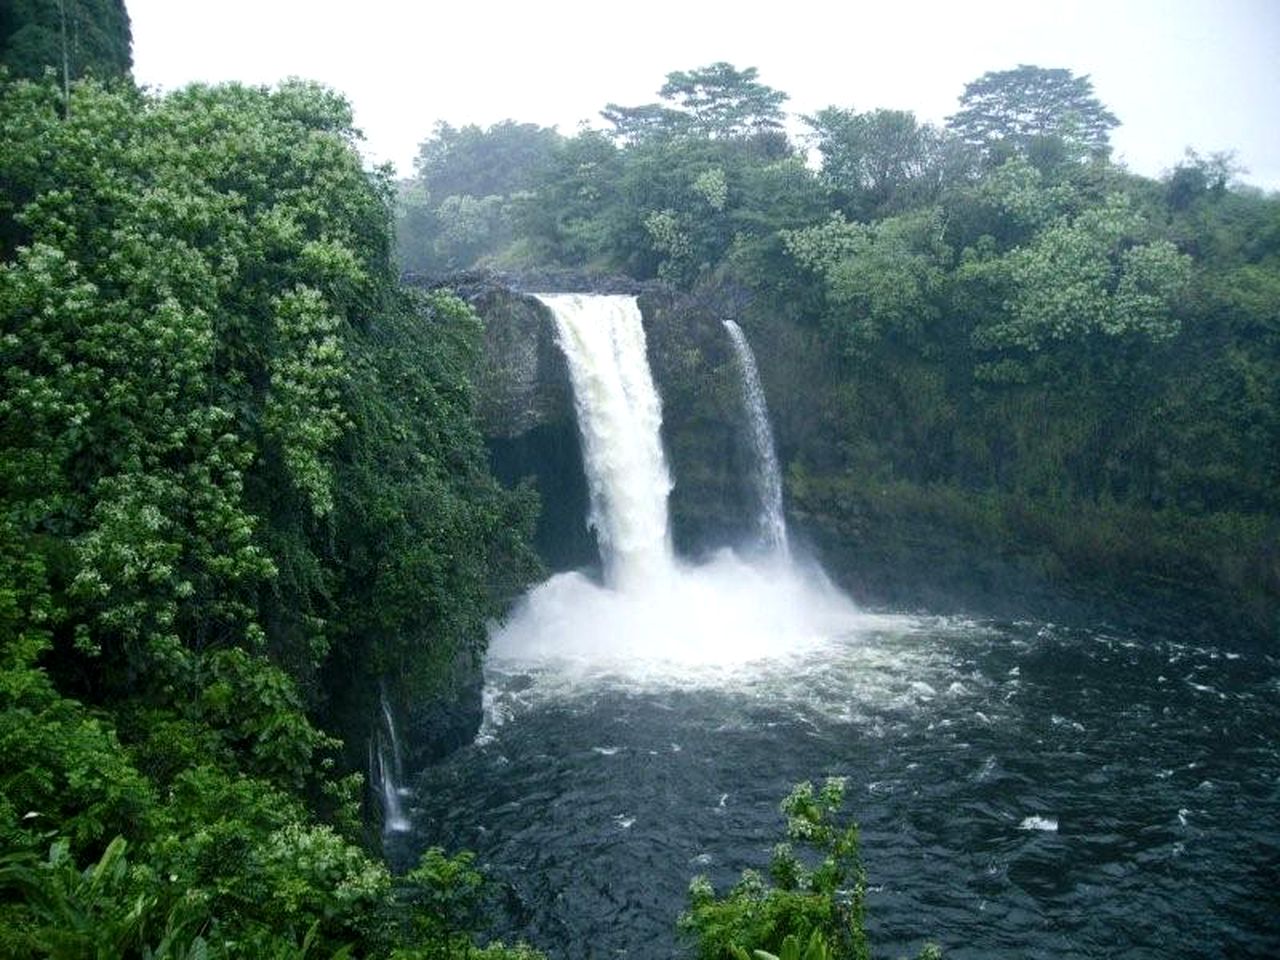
386	765
772	522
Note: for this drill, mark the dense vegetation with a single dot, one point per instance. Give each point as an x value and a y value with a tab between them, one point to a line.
988	332
241	487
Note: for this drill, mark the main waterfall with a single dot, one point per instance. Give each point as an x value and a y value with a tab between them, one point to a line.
654	614
619	417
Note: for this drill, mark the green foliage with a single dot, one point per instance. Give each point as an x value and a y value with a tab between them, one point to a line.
820	906
447	897
883	161
1019	110
92	35
104	911
814	949
718	102
1090	275
115	908
650	121
673	191
240	483
883	280
178	356
722	101
64	770
463	203
500	160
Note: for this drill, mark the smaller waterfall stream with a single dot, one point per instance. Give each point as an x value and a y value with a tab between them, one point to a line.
773	525
387	771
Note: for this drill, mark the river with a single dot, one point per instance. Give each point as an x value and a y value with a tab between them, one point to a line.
1023	790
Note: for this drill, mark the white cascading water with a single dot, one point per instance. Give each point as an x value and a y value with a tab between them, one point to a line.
655	617
619	417
387	770
773	525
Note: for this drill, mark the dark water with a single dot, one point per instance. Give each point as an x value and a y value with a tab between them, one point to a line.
1023	790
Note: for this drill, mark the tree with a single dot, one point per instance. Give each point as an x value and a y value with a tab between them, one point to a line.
458	208
1082	279
92	36
1017	110
241	486
481	162
796	901
568	215
879	162
882	280
649	121
718	101
725	101
1197	177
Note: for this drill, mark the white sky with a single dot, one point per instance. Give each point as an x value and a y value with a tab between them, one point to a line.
1178	73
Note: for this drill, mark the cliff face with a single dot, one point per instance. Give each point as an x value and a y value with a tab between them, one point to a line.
525	404
704	426
889	542
523	381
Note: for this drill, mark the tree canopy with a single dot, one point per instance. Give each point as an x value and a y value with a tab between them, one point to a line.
1013	109
717	101
883	160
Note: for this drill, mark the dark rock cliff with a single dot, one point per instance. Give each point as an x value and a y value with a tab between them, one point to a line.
704	427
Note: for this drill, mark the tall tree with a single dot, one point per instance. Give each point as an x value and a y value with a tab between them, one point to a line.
649	121
725	101
457	209
87	36
1013	110
717	101
483	162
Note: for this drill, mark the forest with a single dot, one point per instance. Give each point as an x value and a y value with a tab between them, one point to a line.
242	481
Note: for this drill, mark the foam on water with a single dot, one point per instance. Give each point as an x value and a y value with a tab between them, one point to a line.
1046	824
1008	779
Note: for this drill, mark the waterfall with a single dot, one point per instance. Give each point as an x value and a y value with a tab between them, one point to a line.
655	616
386	771
619	417
773	526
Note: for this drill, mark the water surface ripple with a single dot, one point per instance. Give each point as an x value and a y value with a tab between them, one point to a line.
1024	790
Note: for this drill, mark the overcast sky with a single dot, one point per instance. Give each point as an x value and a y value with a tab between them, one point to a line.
1178	73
